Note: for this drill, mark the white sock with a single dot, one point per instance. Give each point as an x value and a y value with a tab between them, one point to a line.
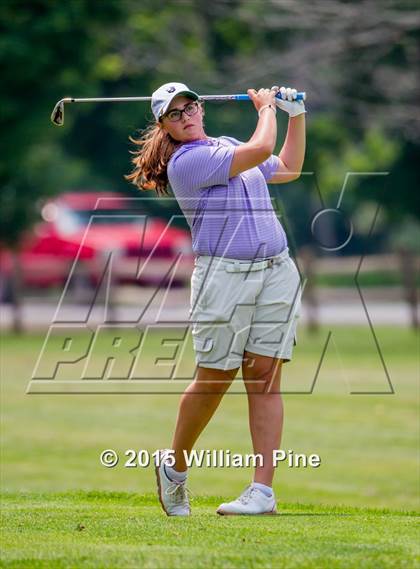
267	490
174	474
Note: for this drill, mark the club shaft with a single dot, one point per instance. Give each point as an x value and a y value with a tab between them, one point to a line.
57	116
237	97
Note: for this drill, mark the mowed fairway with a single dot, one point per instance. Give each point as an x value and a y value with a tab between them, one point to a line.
61	508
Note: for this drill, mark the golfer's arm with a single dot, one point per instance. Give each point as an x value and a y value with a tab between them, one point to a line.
292	153
259	147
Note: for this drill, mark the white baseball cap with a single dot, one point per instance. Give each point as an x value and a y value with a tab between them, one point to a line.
162	97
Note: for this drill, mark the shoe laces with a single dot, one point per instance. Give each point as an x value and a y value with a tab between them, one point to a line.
246	496
179	491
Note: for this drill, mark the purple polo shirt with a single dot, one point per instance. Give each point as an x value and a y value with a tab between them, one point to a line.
228	217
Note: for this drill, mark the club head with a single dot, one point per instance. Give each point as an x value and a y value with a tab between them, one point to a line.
57	116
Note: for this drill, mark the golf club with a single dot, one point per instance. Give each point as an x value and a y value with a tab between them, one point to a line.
57	116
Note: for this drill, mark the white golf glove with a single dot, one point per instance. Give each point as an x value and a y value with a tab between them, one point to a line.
287	102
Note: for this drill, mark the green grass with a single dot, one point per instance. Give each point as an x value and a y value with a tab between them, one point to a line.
366	279
100	529
352	511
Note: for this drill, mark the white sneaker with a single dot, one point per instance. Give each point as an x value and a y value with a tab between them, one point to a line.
251	502
173	495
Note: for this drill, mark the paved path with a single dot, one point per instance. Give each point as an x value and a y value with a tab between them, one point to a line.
39	315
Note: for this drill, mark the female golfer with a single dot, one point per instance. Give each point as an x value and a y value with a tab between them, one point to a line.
245	289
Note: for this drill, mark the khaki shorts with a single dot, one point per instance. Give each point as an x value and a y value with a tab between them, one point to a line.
243	305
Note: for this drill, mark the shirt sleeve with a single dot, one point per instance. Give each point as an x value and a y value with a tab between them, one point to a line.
269	167
201	167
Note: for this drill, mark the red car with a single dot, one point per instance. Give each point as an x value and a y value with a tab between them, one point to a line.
87	234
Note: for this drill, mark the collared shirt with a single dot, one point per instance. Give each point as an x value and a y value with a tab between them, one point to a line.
228	217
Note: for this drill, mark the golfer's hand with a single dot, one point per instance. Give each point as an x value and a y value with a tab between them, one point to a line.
287	101
262	97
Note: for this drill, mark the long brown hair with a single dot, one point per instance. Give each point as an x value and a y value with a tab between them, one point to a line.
155	148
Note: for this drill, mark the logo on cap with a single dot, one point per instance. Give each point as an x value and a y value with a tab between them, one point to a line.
171	89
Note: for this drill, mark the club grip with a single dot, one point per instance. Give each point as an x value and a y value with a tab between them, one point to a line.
300	96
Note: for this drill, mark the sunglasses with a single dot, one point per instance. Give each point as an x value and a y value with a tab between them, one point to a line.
176	114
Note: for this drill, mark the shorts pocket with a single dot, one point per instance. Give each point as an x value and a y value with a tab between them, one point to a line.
202	345
197	288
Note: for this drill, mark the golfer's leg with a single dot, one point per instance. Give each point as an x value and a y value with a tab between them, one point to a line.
197	406
261	376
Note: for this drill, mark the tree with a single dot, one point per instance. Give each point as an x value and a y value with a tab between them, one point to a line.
45	49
